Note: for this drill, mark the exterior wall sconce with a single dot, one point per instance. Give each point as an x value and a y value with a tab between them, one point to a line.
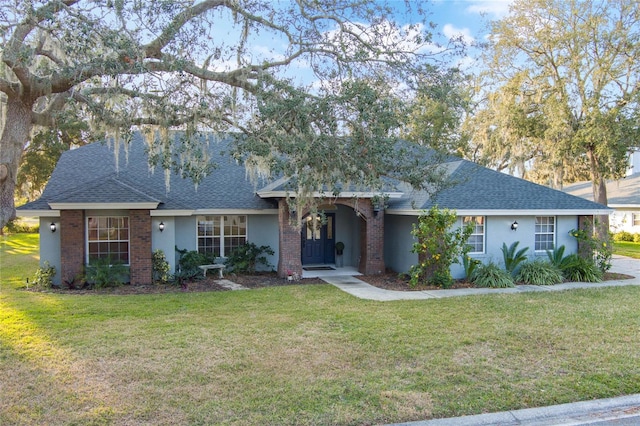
53	227
161	226
514	225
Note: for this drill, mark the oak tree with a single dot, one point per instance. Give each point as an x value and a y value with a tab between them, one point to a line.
562	89
297	80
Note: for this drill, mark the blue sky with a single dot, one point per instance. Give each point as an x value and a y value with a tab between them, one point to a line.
467	17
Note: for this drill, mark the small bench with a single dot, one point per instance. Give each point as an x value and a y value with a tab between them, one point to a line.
218	266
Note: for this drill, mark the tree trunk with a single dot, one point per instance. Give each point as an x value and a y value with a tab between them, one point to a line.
12	143
599	186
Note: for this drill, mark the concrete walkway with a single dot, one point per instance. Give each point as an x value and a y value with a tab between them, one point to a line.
362	290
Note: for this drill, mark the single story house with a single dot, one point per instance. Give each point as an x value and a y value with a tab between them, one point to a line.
623	197
92	209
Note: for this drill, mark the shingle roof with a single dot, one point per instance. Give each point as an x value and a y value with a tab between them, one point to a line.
88	175
622	192
480	188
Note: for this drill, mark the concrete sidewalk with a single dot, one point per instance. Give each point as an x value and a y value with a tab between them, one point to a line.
611	411
362	290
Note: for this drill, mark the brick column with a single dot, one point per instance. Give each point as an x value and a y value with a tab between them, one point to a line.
289	247
141	266
72	244
585	223
371	240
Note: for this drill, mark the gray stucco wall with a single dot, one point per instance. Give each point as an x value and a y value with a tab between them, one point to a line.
50	245
348	232
262	230
181	232
399	240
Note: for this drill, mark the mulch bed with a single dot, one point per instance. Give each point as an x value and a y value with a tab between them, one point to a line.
388	281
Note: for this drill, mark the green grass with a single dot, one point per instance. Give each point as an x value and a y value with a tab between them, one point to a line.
302	354
625	248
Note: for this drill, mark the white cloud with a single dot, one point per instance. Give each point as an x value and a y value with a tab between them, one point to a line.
494	8
452	32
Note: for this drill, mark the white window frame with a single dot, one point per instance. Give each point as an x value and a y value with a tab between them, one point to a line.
219	228
635	219
108	238
479	230
543	229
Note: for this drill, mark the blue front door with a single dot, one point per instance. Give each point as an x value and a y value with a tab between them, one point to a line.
318	239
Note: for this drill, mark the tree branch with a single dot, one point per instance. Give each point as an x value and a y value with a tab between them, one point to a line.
11	53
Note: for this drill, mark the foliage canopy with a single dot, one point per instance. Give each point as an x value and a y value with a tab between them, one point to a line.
218	66
564	91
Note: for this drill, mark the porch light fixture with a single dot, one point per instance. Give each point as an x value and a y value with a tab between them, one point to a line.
161	226
514	225
53	227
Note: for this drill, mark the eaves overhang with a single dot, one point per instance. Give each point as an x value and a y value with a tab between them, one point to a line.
523	212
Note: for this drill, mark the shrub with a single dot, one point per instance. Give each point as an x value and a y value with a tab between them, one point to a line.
245	258
513	258
17	227
582	270
160	266
438	247
103	273
44	275
599	250
188	262
559	260
636	238
539	272
492	276
623	236
470	266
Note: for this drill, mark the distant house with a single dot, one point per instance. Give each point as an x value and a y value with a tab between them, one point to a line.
91	210
623	197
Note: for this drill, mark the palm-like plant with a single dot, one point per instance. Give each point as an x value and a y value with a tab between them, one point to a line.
513	258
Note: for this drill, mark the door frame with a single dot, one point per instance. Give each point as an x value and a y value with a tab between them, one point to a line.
326	243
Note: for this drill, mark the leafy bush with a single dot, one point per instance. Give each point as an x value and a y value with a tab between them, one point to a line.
600	250
188	262
17	227
160	266
103	273
539	272
492	276
513	258
44	275
441	279
636	238
559	260
582	270
245	258
438	247
470	266
623	236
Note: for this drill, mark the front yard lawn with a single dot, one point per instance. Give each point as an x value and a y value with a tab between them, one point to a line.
302	354
625	248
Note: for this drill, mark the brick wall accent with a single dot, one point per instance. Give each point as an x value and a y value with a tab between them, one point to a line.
371	239
141	266
72	244
585	223
289	247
